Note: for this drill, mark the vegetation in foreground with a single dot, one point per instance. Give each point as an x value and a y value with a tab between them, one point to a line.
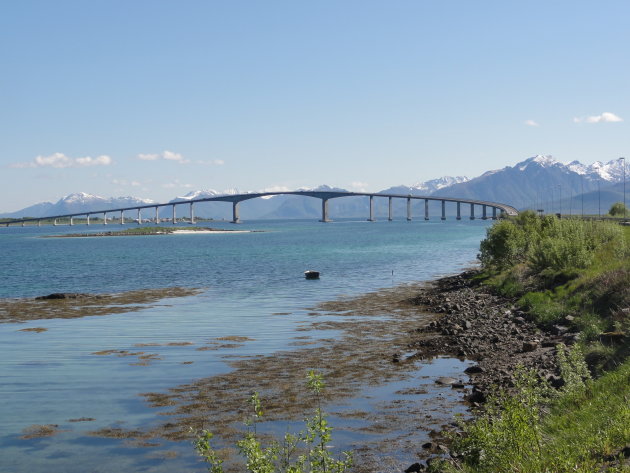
564	273
584	427
305	452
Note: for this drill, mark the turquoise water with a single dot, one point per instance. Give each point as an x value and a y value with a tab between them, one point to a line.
247	280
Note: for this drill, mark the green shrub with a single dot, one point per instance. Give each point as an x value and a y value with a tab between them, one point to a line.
547	243
617	210
306	452
508	433
578	429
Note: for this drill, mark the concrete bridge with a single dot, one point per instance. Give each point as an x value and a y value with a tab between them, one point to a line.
488	209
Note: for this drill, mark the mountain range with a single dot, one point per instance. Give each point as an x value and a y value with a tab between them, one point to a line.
537	182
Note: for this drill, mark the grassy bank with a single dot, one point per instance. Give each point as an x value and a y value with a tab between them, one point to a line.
567	275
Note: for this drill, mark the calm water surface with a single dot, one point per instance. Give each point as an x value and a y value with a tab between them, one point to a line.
248	280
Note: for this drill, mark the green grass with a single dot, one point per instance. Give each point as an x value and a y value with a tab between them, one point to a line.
558	268
583	429
566	272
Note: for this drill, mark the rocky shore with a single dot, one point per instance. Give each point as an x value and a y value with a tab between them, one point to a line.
473	323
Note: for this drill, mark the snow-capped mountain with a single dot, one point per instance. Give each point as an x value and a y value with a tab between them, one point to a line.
539	181
534	181
77	202
612	171
436	184
426	187
204	194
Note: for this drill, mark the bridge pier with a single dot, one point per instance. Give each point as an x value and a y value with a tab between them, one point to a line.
409	209
235	213
426	209
472	211
104	218
39	223
192	214
174	218
324	211
494	213
390	213
71	221
459	210
122	217
139	218
371	219
54	223
443	210
157	215
484	213
88	220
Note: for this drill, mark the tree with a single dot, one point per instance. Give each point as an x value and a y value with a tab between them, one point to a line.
617	209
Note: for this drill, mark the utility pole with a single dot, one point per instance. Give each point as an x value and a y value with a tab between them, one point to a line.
599	199
582	191
624	187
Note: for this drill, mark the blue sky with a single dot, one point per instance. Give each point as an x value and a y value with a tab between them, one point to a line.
156	98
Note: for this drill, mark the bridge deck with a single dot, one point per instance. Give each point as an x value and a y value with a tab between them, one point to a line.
235	199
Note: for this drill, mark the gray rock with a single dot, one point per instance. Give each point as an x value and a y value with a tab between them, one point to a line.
445	380
530	346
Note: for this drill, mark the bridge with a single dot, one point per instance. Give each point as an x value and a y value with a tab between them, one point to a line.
488	209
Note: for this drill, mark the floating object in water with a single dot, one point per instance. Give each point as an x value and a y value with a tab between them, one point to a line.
311	274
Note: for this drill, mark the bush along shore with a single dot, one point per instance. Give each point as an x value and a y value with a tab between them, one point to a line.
547	319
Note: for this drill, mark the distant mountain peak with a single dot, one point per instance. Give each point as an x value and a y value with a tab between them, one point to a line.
544	161
206	194
323	188
80	197
439	183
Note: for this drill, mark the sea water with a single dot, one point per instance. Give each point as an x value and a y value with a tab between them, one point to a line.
245	279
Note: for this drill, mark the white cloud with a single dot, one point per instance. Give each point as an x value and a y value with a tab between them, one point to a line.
531	123
214	162
171	156
166	155
98	161
176	183
135	184
60	160
606	117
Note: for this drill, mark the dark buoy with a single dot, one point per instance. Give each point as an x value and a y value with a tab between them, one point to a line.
311	274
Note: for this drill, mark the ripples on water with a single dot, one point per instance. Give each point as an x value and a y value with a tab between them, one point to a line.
249	279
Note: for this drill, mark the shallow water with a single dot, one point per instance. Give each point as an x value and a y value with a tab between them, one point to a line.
253	287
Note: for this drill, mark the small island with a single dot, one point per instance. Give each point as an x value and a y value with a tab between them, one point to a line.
151	231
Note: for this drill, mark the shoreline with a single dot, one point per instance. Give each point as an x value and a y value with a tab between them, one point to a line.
146	231
473	323
386	336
